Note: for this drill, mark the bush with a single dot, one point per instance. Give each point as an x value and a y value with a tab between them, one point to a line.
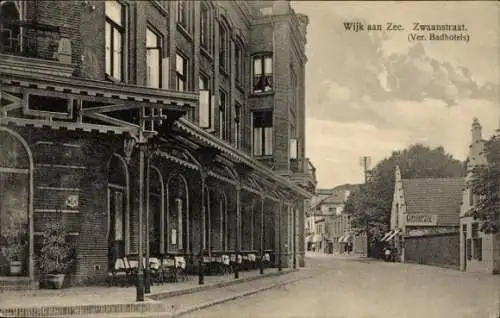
55	252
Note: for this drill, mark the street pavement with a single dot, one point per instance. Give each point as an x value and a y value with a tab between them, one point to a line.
350	287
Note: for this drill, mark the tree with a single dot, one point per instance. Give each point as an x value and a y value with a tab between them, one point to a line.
370	206
485	185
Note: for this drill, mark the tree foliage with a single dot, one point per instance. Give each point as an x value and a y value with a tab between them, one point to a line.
370	205
485	185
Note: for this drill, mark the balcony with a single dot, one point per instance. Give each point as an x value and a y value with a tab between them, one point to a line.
28	46
303	173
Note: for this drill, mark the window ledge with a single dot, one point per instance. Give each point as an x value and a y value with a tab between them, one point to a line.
205	52
184	31
262	94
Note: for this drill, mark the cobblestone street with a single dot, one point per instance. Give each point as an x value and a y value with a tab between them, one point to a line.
358	288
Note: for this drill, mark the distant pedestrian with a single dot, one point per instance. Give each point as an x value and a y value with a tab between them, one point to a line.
387	253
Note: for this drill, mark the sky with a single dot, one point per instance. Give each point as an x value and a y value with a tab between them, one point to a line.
369	93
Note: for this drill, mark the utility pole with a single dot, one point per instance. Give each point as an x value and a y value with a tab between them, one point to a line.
365	163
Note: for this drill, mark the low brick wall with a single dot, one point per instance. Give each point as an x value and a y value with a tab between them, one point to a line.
441	250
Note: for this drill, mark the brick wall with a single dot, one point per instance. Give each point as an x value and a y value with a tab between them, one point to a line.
438	250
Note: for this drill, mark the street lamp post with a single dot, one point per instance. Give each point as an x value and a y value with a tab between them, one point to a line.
147	276
201	267
262	234
140	281
279	237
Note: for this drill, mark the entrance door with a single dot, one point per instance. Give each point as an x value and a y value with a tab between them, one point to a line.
116	239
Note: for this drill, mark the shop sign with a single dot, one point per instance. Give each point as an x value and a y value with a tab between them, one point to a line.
421	219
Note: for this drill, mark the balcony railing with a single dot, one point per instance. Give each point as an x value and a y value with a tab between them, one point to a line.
34	40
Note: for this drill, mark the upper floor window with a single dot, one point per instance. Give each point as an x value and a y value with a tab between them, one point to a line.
115	31
262	124
238	61
204	22
181	65
223	116
262	73
10	11
237	125
182	13
223	49
207	114
153	59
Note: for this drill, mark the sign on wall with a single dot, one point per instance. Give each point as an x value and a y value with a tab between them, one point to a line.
421	219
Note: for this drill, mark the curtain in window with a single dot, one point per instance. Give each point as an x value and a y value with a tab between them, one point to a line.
268	141
257	141
117	54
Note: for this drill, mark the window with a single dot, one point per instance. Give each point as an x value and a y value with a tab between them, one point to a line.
181	72
222	115
222	47
11	33
238	64
477	243
14	200
204	21
153	59
182	13
262	123
262	73
115	31
206	107
237	125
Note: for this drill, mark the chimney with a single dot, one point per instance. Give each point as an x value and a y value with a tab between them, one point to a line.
398	174
476	131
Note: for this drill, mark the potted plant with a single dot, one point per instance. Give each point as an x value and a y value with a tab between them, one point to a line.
54	257
15	255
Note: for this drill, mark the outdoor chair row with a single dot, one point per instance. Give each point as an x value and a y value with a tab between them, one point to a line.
162	270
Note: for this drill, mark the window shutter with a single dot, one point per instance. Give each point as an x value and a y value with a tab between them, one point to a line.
204	110
293	148
165	72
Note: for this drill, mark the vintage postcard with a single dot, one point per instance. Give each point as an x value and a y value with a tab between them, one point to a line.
283	159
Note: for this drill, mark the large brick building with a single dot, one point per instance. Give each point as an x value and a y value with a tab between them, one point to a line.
204	99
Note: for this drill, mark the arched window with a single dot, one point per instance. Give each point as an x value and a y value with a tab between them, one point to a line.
117	209
10	15
15	202
155	211
217	220
177	234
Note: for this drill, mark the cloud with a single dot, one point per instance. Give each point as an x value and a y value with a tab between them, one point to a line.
337	146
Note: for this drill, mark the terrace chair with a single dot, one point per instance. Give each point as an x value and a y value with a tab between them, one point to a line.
218	265
252	259
155	270
267	260
168	270
118	275
133	262
245	263
180	268
226	264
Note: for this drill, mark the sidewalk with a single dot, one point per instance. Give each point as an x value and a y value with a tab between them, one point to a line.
97	300
181	305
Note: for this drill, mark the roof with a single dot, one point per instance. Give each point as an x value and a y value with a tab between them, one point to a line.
439	196
333	196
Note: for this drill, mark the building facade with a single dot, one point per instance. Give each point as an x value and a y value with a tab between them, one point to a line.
479	252
330	227
196	106
423	206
